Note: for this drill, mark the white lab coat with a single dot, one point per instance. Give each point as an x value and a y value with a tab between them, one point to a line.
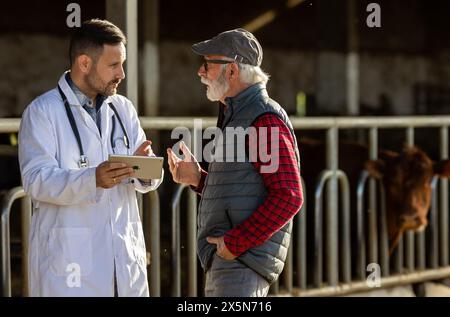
80	234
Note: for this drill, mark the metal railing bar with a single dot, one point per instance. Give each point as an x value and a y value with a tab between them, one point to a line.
176	254
386	282
301	242
360	236
444	205
10	125
155	244
434	226
8	200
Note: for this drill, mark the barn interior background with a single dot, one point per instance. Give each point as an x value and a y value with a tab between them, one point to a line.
325	58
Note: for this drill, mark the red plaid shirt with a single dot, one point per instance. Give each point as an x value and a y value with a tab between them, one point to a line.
284	192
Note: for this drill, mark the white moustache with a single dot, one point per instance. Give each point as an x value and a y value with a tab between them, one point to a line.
206	81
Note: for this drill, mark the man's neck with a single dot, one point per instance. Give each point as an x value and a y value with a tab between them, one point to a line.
79	82
234	91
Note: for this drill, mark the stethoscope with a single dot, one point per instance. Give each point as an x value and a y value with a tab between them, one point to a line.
83	162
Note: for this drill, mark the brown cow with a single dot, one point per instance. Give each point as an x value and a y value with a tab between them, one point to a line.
406	177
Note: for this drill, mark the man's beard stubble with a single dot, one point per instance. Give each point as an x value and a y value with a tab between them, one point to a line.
96	84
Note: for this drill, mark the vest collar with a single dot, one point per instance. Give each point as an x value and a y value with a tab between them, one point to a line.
236	103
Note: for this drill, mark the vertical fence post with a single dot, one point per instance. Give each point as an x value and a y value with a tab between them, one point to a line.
196	144
26	224
192	243
360	226
443	230
410	234
5	248
332	207
384	253
372	216
176	253
318	228
5	251
155	245
433	226
345	239
301	242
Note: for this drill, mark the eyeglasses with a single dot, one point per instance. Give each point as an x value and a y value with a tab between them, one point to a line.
214	61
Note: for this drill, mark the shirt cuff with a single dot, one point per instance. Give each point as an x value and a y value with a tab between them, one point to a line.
233	244
145	182
201	184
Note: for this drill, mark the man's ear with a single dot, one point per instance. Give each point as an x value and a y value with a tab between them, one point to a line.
234	71
84	63
375	168
442	168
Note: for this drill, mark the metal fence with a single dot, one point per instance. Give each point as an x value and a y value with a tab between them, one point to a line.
408	269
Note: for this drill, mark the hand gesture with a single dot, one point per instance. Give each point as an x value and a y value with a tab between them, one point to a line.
186	171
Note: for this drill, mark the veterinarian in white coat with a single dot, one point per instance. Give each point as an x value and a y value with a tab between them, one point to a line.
86	235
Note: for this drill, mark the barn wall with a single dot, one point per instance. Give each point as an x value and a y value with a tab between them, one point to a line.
31	64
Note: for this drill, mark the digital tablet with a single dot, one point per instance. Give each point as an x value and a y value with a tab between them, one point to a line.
145	167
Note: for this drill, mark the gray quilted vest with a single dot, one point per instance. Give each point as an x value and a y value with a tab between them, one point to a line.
234	190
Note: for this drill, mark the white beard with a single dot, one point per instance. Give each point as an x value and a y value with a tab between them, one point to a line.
216	89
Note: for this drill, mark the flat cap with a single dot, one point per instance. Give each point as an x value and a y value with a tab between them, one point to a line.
238	44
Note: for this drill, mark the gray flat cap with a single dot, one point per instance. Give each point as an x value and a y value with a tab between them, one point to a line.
238	44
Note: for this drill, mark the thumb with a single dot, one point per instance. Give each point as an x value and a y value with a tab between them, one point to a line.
212	240
144	145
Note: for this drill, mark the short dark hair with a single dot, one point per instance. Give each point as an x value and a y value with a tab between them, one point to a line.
91	36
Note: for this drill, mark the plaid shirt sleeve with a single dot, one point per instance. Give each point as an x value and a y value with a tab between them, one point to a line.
284	191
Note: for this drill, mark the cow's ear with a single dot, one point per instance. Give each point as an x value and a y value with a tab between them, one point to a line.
375	168
442	168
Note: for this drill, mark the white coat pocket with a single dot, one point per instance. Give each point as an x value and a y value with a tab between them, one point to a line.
70	249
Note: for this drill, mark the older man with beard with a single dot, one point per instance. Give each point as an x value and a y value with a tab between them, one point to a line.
245	212
86	235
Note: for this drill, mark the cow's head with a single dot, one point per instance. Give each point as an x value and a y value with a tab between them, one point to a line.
406	177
